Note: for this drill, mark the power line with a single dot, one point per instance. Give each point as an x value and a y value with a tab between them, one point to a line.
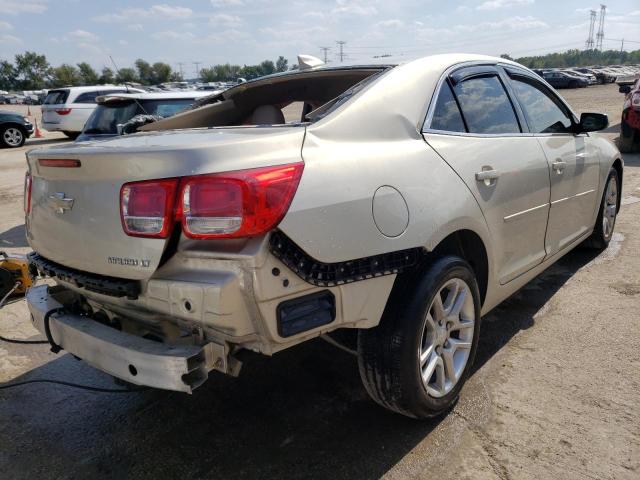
592	22
341	43
600	34
325	50
197	64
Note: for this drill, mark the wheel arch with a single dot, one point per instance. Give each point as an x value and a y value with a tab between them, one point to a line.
617	164
468	245
5	125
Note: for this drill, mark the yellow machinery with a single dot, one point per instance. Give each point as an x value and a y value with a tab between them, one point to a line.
15	278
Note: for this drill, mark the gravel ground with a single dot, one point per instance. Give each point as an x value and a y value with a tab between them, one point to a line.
555	392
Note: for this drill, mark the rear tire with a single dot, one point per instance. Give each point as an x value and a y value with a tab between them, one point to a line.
72	135
607	213
417	359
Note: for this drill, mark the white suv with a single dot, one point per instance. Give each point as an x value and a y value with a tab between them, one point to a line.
66	110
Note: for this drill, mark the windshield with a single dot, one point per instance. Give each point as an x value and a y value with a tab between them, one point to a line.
105	118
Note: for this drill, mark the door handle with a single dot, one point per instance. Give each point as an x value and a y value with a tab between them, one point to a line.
558	166
488	176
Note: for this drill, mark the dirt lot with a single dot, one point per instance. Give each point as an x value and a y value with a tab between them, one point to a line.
555	392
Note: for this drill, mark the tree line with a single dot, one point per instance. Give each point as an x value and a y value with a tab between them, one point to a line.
32	71
579	58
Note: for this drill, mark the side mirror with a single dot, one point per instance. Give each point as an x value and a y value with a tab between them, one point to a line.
592	122
624	89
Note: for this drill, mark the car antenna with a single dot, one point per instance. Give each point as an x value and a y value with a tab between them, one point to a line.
118	72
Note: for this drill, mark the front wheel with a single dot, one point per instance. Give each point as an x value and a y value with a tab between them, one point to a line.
606	221
419	356
12	137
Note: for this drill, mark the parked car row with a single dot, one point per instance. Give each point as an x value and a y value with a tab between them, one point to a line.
584	76
22	99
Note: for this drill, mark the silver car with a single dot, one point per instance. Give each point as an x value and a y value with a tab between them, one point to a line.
394	208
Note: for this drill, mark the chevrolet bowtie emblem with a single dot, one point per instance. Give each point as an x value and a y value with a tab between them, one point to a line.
60	203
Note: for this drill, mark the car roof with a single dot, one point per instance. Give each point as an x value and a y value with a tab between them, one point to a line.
154	96
93	88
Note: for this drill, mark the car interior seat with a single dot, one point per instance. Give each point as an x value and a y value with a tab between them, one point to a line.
267	115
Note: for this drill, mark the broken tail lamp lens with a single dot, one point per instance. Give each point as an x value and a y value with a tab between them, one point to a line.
245	203
146	208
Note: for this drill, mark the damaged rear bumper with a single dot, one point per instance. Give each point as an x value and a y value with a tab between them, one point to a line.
128	357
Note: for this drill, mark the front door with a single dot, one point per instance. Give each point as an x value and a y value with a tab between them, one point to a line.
574	168
506	170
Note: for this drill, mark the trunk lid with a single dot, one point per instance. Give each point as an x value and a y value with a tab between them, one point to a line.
75	212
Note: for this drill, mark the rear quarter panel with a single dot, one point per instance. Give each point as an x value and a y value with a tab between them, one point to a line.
331	215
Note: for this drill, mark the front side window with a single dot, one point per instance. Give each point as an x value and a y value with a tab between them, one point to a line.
446	115
542	112
486	107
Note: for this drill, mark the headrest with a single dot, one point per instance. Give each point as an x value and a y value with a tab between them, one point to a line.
267	115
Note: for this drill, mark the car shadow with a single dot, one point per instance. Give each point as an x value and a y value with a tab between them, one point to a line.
302	413
14	237
611	129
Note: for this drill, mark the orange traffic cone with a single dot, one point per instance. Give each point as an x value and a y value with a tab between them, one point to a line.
28	111
38	133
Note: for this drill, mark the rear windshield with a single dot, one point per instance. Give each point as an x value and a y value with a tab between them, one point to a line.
56	97
106	118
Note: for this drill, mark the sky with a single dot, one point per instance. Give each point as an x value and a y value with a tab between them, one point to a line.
249	31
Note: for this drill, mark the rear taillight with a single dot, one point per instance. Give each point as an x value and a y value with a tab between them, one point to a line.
245	203
62	111
146	208
238	204
27	193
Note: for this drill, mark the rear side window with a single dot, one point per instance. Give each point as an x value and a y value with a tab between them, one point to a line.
87	97
543	114
446	115
56	97
486	106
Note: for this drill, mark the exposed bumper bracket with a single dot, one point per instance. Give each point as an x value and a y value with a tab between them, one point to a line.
128	357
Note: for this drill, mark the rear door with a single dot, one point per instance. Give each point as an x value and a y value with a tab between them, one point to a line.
574	166
478	130
81	107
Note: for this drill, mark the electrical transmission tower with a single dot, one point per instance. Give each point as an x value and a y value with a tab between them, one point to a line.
592	23
341	43
325	50
600	34
197	64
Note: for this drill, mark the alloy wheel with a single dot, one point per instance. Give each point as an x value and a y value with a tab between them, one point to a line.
610	206
447	337
13	137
